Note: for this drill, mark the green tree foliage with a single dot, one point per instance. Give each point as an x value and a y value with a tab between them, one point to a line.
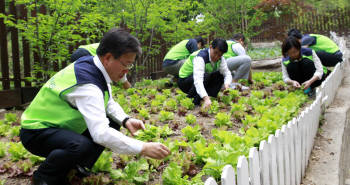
158	24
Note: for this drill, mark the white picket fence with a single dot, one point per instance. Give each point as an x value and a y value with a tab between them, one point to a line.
283	158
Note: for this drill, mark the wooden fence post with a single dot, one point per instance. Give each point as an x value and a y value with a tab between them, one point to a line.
15	48
4	51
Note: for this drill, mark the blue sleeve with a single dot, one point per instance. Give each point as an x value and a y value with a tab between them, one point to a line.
308	40
192	45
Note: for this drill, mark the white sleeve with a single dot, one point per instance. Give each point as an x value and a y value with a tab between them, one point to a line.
114	110
318	65
89	100
285	73
238	49
198	76
225	71
124	79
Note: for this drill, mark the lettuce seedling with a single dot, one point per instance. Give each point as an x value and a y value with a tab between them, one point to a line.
222	119
165	116
190	119
192	133
187	103
103	163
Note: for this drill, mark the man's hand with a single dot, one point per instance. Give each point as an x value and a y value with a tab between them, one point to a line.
226	86
134	125
295	84
155	150
307	84
206	103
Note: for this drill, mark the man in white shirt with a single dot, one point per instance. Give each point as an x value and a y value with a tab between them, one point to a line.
238	62
205	72
73	117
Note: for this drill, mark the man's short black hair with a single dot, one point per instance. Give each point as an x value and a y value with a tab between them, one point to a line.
199	39
238	36
296	33
221	44
289	43
118	42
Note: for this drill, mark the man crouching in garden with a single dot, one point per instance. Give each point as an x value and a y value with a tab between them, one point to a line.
73	117
204	73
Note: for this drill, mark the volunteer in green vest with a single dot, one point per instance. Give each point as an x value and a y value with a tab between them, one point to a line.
301	66
90	50
205	72
238	61
74	117
326	49
178	54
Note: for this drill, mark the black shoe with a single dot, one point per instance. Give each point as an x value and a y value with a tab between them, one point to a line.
38	181
82	171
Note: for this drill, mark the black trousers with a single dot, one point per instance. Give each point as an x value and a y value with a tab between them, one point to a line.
63	150
330	59
212	84
80	52
304	70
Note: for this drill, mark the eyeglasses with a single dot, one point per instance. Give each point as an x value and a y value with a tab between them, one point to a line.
128	67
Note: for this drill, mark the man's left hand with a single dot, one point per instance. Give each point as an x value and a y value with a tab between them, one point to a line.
134	125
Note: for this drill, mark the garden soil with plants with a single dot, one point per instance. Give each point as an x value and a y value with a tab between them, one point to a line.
201	141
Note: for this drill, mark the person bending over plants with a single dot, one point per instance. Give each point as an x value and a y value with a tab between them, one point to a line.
90	50
301	67
74	117
326	49
178	54
204	73
238	61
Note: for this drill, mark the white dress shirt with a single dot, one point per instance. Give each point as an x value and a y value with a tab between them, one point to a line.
317	63
199	70
89	100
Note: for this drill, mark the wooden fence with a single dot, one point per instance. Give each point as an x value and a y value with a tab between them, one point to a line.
18	58
283	158
337	20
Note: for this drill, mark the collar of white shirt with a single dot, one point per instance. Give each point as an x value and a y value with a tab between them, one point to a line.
99	65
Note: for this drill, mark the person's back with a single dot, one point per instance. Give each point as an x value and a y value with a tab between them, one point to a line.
178	54
325	48
238	62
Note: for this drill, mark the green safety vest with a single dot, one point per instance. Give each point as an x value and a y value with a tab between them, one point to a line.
178	52
230	52
50	109
91	48
324	43
286	62
187	68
